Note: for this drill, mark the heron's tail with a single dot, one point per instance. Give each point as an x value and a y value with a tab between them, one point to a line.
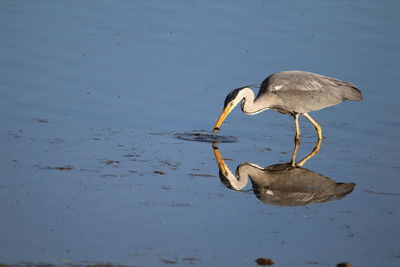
343	189
352	92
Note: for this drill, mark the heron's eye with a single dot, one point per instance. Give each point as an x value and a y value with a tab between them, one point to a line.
231	104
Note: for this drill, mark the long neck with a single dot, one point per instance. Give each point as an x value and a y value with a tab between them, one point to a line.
254	171
243	171
235	182
249	106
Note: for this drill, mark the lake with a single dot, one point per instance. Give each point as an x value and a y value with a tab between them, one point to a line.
93	93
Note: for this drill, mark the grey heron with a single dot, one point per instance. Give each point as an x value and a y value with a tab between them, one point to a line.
293	93
282	184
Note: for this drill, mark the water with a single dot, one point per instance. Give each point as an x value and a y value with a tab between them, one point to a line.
203	136
92	92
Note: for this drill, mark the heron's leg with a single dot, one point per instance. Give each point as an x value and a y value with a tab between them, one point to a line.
316	125
296	140
296	124
312	154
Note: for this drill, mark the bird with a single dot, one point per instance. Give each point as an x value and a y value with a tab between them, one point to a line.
281	184
292	93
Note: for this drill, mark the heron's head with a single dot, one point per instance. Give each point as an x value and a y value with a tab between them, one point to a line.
231	101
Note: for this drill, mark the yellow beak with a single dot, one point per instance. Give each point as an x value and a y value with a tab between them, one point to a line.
220	161
222	117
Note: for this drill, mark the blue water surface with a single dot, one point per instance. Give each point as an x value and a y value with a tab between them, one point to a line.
92	93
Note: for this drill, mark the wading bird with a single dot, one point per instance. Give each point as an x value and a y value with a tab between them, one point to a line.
293	93
281	184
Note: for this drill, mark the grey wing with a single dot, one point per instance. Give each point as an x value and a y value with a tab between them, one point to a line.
298	91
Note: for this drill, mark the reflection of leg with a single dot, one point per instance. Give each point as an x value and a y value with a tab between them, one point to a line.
296	140
316	125
312	154
296	148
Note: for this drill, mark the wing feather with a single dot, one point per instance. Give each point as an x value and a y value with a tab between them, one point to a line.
299	91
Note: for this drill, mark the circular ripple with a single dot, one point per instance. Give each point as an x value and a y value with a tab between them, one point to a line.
206	137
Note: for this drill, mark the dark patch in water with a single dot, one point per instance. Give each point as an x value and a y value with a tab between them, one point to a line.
61	168
264	261
181	205
206	137
41	120
110	162
166	261
202	175
129	155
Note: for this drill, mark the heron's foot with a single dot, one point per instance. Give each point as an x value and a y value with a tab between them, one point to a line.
294	164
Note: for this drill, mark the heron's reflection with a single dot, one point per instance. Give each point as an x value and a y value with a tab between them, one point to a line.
285	184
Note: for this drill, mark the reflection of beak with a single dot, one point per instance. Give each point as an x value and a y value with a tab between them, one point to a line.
221	164
222	117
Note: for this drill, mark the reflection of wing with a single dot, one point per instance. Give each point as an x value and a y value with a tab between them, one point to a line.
283	185
287	198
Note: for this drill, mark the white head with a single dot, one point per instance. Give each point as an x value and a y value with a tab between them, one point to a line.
231	101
